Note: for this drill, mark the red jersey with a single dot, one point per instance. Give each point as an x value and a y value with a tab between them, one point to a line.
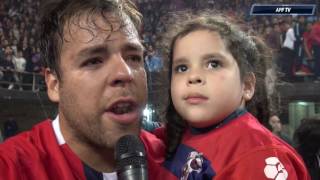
315	34
239	148
36	154
307	37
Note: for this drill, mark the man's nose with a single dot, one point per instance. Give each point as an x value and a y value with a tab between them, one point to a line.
121	72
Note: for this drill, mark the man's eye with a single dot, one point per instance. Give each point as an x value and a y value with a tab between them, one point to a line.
92	61
180	68
213	64
134	58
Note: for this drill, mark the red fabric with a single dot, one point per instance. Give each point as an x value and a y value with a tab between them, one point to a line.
308	39
315	33
160	133
36	154
239	150
155	149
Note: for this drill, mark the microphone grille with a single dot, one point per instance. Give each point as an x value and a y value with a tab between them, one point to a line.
129	151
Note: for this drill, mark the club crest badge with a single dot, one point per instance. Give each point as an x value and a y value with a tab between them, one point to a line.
193	164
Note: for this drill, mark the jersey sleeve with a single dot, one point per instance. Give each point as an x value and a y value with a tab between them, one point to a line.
8	169
266	164
155	149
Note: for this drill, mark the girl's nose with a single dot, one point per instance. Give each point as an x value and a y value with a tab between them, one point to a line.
195	79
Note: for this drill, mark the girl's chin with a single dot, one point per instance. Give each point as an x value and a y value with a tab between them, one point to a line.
202	123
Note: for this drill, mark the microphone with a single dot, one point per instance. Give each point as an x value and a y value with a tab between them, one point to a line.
131	163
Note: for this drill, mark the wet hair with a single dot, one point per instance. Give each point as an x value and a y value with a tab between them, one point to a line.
250	53
58	15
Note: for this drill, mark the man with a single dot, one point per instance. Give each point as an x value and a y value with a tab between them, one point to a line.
299	29
6	66
287	53
276	126
315	39
95	73
20	66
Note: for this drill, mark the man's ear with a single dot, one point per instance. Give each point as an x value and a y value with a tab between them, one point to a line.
249	82
52	85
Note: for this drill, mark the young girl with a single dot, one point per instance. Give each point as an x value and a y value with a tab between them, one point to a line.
215	69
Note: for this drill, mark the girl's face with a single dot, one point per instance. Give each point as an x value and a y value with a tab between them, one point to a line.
205	84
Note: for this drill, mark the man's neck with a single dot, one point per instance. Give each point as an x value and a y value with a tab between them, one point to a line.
101	160
98	158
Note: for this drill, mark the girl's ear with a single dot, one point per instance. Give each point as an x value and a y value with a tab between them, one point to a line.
249	82
52	85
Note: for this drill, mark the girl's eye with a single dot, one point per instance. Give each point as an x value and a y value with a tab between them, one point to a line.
92	61
213	64
180	68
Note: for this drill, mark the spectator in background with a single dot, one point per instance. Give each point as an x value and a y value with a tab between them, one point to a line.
307	41
28	53
276	127
16	31
14	47
2	55
153	60
273	37
20	65
287	54
307	142
307	47
149	125
146	39
37	68
7	66
36	65
153	65
299	29
315	38
10	128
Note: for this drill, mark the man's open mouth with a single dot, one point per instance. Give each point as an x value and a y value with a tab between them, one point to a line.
122	107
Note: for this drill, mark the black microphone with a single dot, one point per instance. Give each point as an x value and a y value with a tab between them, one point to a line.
131	163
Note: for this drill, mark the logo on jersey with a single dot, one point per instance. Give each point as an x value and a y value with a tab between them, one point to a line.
274	169
193	164
189	164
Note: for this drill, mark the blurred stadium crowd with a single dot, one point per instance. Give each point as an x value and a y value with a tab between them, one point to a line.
20	61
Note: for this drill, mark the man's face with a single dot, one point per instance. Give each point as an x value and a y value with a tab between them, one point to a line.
102	89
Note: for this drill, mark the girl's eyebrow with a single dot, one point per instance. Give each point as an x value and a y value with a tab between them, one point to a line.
181	60
211	55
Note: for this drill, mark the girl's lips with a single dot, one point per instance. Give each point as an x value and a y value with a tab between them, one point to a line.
196	99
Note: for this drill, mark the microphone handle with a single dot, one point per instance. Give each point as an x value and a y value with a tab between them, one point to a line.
134	174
